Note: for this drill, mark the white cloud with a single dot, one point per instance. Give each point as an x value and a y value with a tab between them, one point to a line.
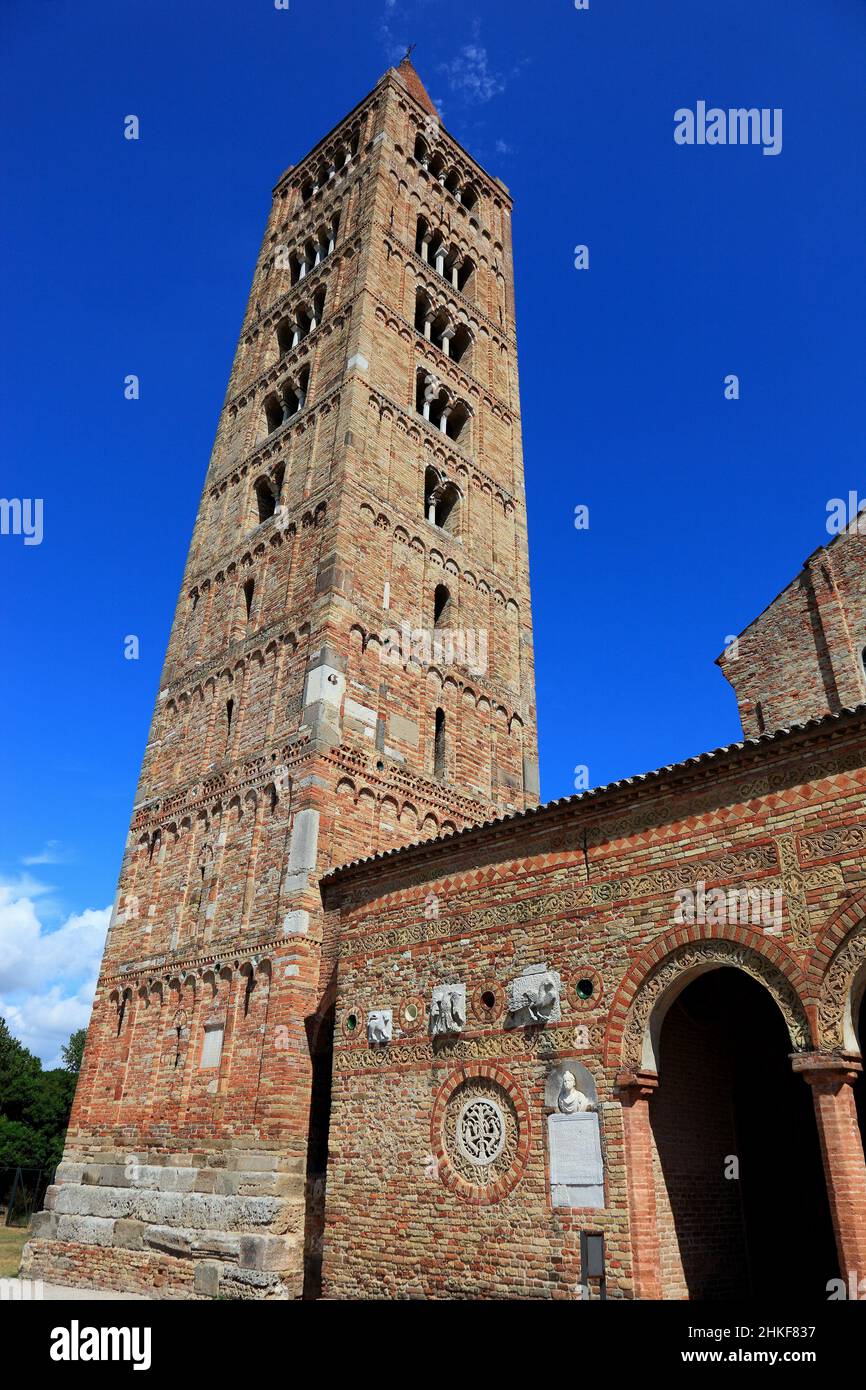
52	852
469	73
47	976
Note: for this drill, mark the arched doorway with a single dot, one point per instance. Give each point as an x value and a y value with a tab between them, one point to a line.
740	1190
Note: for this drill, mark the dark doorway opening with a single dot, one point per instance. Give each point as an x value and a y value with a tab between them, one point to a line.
320	1038
860	1083
742	1201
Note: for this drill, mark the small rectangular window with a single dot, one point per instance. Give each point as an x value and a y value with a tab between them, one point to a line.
212	1047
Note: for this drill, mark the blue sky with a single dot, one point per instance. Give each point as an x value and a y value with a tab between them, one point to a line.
122	257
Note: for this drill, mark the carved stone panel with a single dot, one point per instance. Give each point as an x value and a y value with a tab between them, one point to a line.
576	1165
447	1011
379	1027
533	998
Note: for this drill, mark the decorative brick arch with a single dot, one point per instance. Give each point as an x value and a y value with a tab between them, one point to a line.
837	975
664	968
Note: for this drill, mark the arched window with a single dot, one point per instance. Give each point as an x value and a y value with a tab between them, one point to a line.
439	744
457	423
248	591
441	605
465	273
286	336
273	412
469	196
461	341
230	709
421	153
441	500
863	658
422	311
266	501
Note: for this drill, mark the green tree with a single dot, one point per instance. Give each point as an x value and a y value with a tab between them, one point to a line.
73	1051
19	1073
34	1104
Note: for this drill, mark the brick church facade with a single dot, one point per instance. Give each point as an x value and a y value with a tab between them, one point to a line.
371	1022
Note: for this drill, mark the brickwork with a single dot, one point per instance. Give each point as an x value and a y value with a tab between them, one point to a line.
804	655
296	725
587	888
349	675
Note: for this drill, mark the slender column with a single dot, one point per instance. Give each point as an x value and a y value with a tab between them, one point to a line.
455	271
831	1078
440	261
635	1090
443	418
428	326
447	335
250	880
425	248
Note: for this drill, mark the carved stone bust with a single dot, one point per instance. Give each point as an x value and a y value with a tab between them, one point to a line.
571	1101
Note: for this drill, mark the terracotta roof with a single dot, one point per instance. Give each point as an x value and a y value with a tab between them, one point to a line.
415	87
776	736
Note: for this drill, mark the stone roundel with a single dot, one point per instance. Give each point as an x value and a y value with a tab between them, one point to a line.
349	1029
480	1133
577	996
412	1013
488	1002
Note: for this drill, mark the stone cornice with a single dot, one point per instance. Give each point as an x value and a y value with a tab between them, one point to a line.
219	786
438	795
241	949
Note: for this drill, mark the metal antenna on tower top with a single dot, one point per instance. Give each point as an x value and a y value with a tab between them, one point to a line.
409	51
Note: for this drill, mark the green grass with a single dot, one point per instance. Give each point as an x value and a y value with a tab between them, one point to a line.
12	1240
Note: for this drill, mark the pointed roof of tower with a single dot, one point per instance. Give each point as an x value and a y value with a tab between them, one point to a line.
413	84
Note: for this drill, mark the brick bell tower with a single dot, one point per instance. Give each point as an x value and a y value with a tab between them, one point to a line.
350	669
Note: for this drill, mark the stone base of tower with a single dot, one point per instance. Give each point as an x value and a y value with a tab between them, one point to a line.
222	1224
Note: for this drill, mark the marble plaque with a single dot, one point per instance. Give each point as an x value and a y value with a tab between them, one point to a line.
576	1167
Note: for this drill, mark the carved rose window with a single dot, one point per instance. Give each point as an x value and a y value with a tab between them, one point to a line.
481	1131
